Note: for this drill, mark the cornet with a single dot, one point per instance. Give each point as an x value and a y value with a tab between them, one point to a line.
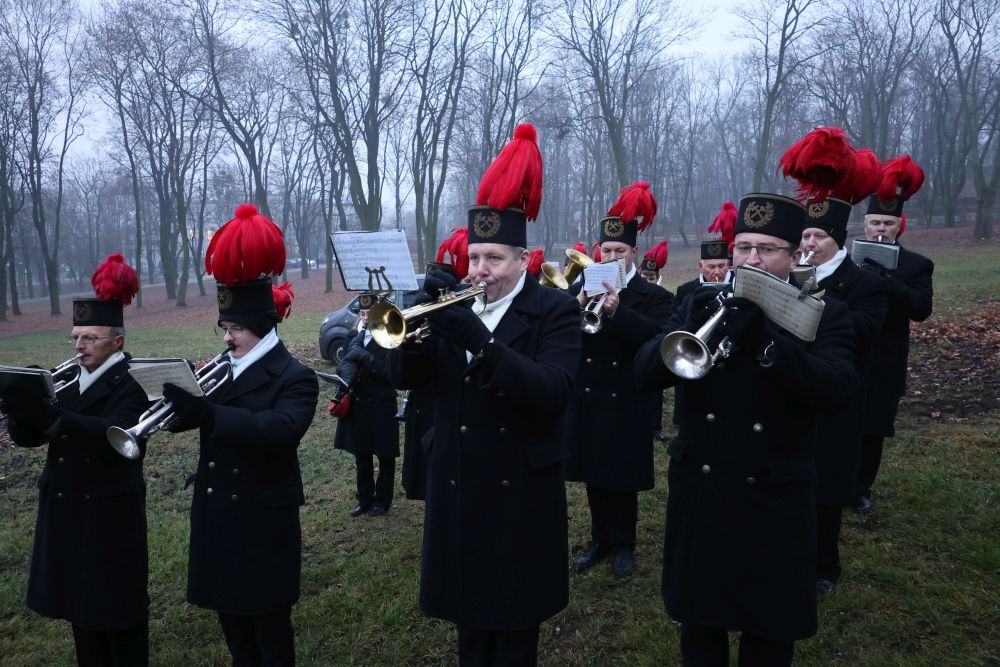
687	354
66	374
391	327
576	260
590	316
160	415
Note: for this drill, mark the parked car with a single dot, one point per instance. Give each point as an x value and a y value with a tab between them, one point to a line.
338	326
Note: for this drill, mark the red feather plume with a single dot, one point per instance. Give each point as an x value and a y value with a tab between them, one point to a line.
283	296
635	201
819	161
902	225
246	248
900	178
114	279
725	223
659	252
456	247
595	251
862	181
579	247
514	179
535	261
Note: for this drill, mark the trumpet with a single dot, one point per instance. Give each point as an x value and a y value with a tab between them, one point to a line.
590	316
687	355
160	415
66	374
391	327
575	261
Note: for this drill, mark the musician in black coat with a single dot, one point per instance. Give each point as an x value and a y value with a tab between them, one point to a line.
370	427
713	267
418	417
246	543
838	442
739	550
611	442
910	292
89	563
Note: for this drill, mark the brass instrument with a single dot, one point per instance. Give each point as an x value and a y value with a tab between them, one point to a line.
687	354
391	327
160	415
805	273
66	374
575	261
590	316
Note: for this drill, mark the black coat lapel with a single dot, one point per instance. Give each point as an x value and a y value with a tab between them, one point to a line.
97	391
259	373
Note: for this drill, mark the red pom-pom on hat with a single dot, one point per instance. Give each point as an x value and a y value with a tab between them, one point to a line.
595	251
819	161
115	280
535	262
283	296
579	247
635	204
725	223
901	178
246	248
456	247
659	252
514	179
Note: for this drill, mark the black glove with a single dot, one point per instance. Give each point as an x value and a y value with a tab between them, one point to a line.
701	305
439	281
745	324
872	264
359	356
190	411
895	289
459	325
31	411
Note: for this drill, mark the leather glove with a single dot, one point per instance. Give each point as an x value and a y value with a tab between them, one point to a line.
18	406
459	325
872	264
359	356
701	305
435	283
191	411
33	412
745	324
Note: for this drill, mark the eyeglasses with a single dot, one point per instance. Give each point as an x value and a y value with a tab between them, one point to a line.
762	250
86	340
235	332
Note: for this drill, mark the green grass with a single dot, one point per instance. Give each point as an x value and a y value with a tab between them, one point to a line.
919	588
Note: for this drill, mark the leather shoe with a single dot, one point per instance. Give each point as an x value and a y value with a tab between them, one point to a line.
592	555
863	504
623	563
378	510
358	511
824	587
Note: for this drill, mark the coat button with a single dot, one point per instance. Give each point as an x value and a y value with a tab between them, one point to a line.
706	468
751	480
60	460
452	482
468	379
614	395
59	495
710	417
236	471
586	390
209	491
86	460
614	364
758	427
87	496
235	497
504	482
721	366
503	429
211	465
588	360
463	429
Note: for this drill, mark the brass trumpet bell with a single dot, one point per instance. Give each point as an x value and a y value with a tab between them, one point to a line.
687	355
576	260
391	327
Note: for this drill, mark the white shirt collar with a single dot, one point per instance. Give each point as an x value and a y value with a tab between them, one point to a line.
263	346
494	312
87	379
827	268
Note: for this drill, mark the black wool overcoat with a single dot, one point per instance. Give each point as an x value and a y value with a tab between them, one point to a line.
416	442
370	426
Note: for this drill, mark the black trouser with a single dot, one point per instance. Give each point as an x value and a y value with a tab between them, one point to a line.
871	460
372	491
613	515
497	648
265	640
827	537
117	648
702	646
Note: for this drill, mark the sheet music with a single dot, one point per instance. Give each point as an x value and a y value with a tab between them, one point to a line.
152	376
31	381
358	251
885	254
595	274
782	302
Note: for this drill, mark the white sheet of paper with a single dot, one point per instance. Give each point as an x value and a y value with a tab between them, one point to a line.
595	274
152	376
780	301
358	251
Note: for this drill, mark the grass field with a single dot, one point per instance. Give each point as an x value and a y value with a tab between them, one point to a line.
922	572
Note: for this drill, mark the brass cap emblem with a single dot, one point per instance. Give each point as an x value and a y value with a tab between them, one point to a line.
714	249
486	225
758	215
888	206
82	311
613	227
225	298
819	209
